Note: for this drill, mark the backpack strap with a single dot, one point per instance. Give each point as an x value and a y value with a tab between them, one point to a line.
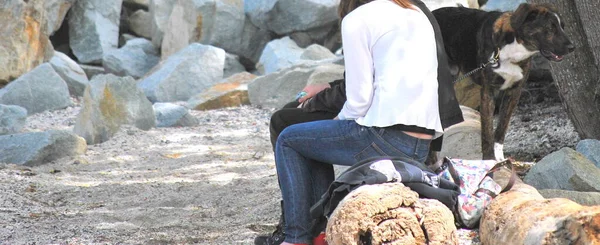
513	174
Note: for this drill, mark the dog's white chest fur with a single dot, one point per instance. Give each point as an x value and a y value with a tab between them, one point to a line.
510	55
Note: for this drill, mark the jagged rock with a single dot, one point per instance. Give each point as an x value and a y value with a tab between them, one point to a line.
172	115
390	213
231	92
135	59
218	23
91	70
232	65
38	148
38	90
590	148
288	16
502	5
565	169
138	23
56	10
71	72
94	29
279	88
109	102
184	74
24	41
316	52
279	54
12	119
160	10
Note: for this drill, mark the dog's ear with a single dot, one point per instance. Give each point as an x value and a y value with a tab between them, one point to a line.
519	16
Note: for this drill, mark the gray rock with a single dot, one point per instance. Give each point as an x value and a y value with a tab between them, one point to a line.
279	54
71	72
276	89
316	52
139	23
188	72
565	169
590	148
232	65
94	29
12	119
109	102
172	115
135	59
91	70
38	148
217	23
160	10
502	5
56	10
38	90
287	16
583	198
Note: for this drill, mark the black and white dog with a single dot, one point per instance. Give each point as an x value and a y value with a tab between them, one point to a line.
473	37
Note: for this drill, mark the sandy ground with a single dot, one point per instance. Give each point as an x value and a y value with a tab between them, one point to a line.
210	184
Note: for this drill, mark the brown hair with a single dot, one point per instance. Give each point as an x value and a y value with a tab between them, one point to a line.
346	6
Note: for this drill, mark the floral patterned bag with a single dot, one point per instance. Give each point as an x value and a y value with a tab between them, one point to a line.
476	186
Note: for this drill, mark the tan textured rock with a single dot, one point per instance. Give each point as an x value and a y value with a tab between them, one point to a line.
23	41
468	93
232	92
390	214
523	216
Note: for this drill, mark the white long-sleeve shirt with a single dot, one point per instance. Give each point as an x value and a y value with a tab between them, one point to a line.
391	67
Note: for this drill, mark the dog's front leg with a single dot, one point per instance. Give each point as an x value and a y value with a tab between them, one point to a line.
487	119
509	100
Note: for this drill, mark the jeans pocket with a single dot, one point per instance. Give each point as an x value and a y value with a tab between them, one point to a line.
370	151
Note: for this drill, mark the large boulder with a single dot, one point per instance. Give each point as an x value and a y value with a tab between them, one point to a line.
38	148
184	74
24	38
56	10
135	58
109	102
71	72
94	29
218	23
160	10
39	90
279	88
565	169
288	16
590	148
12	119
172	115
138	23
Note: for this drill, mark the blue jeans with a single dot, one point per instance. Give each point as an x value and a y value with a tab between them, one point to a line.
305	152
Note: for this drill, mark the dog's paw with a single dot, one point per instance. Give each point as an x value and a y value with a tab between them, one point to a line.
499	152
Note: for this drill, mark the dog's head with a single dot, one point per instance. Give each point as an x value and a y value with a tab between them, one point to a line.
540	27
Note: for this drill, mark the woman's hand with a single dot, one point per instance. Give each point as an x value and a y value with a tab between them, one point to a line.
311	90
